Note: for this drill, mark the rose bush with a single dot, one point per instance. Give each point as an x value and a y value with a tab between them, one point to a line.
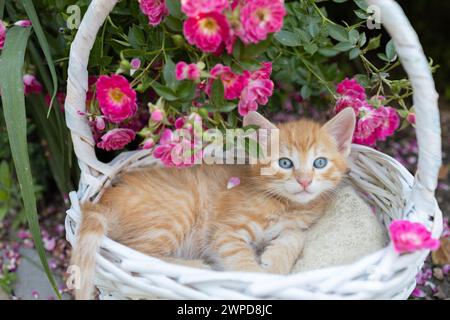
218	60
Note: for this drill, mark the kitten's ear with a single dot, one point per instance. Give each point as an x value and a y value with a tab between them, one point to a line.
341	127
254	118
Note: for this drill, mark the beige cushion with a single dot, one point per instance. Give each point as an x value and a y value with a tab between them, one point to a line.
348	231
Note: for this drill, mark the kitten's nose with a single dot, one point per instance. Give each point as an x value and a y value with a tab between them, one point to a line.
304	182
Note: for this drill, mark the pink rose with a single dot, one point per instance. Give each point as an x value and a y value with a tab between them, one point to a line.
261	17
233	83
155	10
116	139
410	236
351	87
389	122
257	91
185	71
116	98
178	149
207	31
31	84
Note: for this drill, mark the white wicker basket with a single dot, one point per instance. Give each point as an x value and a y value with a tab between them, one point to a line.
124	273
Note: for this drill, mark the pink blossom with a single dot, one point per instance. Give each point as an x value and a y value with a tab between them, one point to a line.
31	84
117	100
24	234
148	144
349	101
157	115
135	63
185	71
49	243
261	17
233	83
257	91
233	182
116	139
2	34
389	122
411	118
351	88
155	10
177	149
207	31
366	126
193	8
424	275
99	123
23	23
418	293
410	236
351	94
446	269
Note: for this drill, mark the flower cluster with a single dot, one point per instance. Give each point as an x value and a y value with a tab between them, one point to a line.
411	236
375	122
252	88
113	114
213	25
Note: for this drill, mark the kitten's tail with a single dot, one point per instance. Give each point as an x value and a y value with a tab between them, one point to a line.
90	234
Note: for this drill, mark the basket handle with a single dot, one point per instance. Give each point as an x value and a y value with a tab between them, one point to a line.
409	50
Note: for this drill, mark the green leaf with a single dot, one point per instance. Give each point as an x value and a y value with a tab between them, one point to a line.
186	90
169	74
164	91
306	91
217	94
362	4
136	37
353	36
390	51
5	176
344	46
311	48
328	52
174	7
31	12
354	53
288	38
338	32
13	100
373	44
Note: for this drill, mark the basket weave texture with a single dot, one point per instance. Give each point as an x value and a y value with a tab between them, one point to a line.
123	273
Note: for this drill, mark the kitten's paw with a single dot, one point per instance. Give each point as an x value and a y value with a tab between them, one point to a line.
273	264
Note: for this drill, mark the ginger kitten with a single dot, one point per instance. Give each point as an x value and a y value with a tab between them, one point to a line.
189	213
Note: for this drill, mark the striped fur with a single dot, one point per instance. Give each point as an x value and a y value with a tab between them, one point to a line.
189	213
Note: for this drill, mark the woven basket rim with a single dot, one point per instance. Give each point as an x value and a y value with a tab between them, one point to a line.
421	205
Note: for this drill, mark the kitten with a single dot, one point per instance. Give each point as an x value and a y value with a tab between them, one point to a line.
189	213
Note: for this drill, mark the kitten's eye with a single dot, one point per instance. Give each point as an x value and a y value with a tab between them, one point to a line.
285	163
320	163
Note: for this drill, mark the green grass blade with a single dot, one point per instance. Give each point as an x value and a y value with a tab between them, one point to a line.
13	100
32	15
2	8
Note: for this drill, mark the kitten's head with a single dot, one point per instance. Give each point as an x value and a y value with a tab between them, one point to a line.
312	158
